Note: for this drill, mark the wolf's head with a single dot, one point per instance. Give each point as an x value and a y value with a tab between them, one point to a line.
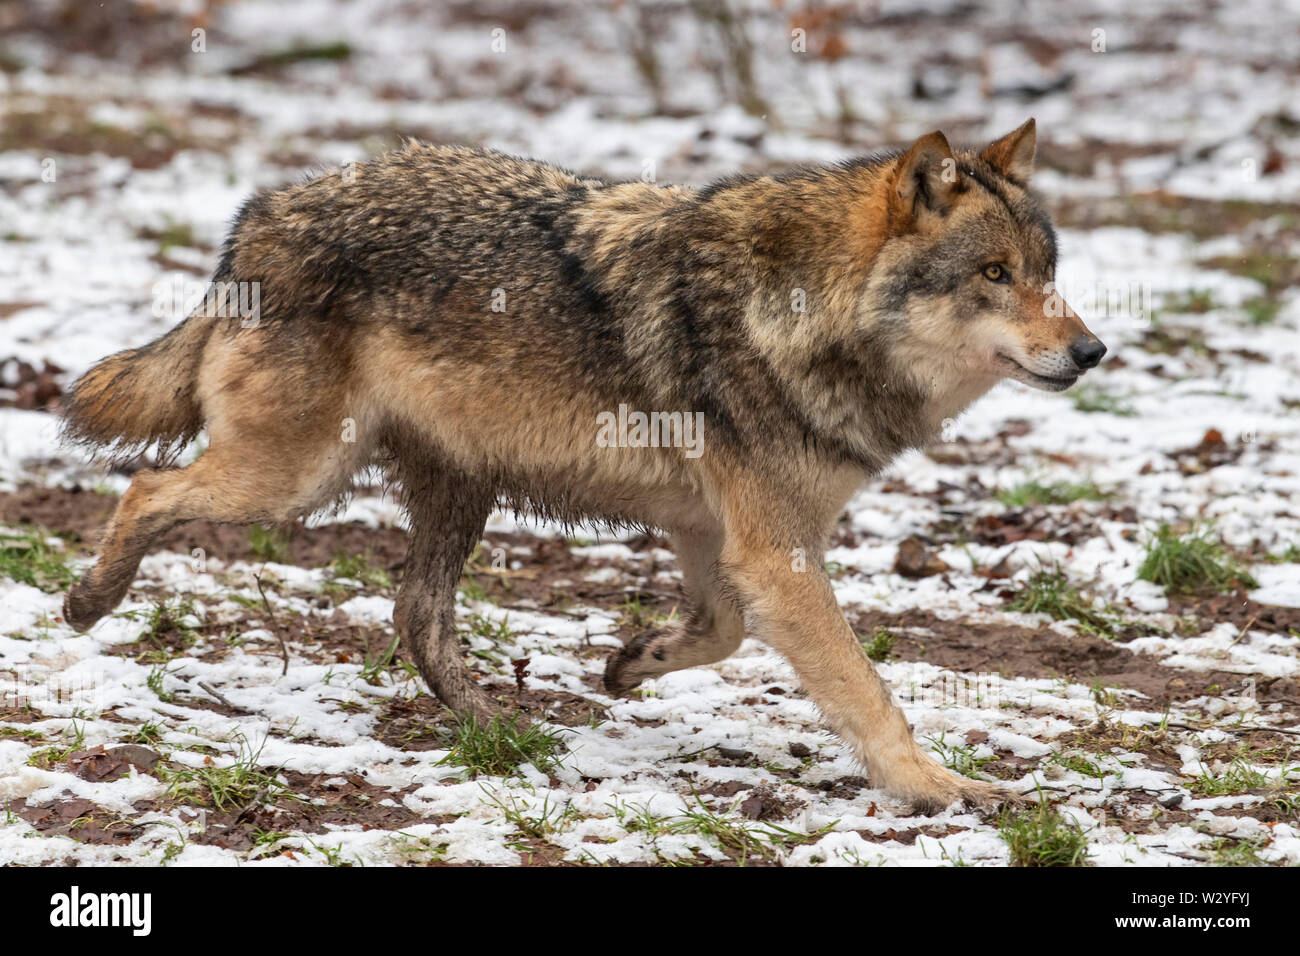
965	275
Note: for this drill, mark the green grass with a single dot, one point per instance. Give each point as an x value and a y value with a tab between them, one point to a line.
638	615
149	733
539	824
71	740
736	838
20	733
1240	777
1261	310
1035	492
168	626
265	841
1043	837
360	567
223	788
497	632
1079	764
473	590
1272	270
418	851
1290	556
1229	852
1049	591
1163	212
503	745
484	626
475	565
1173	340
155	683
173	234
338	50
960	758
376	666
28	558
880	645
1104	696
1091	398
333	854
167	618
1198	301
268	544
1194	562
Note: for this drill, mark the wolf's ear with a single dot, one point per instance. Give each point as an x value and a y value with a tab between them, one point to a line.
1013	154
927	179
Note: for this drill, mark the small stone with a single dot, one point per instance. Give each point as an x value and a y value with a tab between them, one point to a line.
800	750
733	753
915	560
136	755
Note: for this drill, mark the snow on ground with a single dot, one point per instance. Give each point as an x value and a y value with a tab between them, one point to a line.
1170	152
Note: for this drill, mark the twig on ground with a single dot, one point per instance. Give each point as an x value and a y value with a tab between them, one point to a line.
1236	730
221	697
275	621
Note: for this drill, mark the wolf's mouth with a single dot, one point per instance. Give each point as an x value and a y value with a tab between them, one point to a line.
1048	383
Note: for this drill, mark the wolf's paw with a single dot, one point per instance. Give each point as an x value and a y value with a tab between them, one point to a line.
619	679
83	606
629	667
978	795
933	789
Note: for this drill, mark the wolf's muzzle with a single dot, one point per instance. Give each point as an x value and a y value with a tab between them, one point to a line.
1087	352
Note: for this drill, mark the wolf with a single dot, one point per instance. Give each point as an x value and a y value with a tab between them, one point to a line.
466	319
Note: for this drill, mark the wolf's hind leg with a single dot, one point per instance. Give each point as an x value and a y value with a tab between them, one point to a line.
447	512
239	482
711	632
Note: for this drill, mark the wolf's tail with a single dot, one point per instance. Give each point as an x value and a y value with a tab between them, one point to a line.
141	397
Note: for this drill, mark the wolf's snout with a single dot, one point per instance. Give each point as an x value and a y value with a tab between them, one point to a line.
1087	351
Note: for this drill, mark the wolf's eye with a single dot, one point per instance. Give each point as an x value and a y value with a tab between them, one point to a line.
995	273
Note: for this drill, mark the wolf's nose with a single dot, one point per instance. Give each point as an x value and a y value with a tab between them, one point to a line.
1087	352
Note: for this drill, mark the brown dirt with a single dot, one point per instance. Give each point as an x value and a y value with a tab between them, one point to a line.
353	802
1240	610
78	819
80	516
141	34
1012	651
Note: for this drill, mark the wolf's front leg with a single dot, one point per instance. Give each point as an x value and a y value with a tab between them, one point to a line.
795	611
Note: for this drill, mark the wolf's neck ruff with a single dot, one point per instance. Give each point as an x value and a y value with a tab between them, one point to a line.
747	300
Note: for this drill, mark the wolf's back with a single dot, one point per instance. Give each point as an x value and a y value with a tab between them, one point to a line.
417	221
